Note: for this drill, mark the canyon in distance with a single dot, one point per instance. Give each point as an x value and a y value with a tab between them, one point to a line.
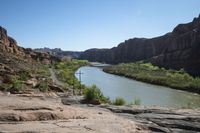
52	90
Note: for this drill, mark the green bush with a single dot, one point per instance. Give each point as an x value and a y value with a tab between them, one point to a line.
66	70
23	75
43	86
17	84
43	70
137	101
94	94
119	101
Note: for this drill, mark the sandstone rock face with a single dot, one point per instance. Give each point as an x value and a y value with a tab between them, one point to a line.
9	46
3	36
175	50
16	62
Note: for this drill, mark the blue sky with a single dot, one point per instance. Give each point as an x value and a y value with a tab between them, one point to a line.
83	24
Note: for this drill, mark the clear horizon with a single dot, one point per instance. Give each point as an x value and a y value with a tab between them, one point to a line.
77	25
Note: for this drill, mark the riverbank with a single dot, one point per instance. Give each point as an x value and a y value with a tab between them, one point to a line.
146	72
44	112
65	71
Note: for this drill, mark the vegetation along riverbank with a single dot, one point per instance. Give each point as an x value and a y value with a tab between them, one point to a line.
149	73
65	71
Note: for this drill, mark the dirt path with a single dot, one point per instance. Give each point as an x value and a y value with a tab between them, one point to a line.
55	79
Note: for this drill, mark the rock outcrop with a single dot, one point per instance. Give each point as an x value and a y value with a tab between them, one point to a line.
158	119
177	49
9	46
18	63
153	118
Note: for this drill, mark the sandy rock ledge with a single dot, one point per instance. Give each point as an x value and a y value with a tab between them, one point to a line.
44	114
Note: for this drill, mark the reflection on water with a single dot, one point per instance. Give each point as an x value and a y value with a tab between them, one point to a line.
113	86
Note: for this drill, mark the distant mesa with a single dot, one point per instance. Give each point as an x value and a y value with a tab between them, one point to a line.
59	53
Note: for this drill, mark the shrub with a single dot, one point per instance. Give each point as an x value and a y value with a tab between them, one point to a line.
94	94
43	70
43	86
119	101
24	75
17	84
137	101
196	83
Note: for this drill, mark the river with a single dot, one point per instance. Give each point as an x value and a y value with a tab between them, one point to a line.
113	86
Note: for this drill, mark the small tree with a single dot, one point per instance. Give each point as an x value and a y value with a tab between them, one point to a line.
94	94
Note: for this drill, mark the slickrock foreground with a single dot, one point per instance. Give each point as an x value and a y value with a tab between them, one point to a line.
156	119
159	119
43	114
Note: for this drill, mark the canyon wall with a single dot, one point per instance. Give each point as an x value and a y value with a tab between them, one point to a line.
175	50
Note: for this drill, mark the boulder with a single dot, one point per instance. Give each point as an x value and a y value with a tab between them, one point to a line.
71	100
33	82
55	88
